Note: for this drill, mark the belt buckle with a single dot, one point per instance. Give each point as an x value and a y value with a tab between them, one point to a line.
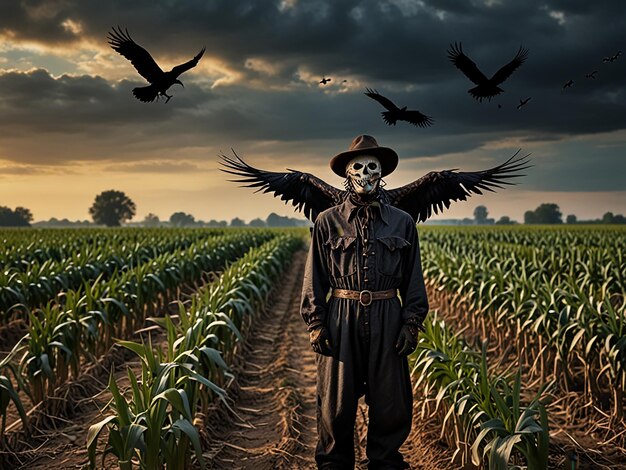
369	298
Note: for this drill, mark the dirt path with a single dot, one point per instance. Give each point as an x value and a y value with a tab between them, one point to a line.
276	392
276	399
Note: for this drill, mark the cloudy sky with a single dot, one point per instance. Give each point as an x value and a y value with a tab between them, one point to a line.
71	128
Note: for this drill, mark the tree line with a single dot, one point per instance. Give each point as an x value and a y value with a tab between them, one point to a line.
113	208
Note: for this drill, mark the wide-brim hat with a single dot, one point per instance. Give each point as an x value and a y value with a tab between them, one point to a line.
365	145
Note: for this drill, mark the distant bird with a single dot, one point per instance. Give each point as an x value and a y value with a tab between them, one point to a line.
499	106
160	81
523	102
428	195
344	81
325	80
568	84
612	58
394	114
592	74
486	87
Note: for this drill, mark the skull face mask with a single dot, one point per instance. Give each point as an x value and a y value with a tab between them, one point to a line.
364	173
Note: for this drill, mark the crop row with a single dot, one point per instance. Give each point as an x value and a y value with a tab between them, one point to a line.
81	325
557	297
154	422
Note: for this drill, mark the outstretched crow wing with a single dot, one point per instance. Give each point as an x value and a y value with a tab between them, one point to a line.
387	103
416	118
437	189
304	190
465	64
182	68
506	71
121	42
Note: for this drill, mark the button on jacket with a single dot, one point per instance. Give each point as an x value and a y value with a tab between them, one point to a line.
358	247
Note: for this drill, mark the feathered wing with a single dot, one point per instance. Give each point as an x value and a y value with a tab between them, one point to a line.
141	59
465	64
386	102
506	71
416	118
305	191
182	68
437	189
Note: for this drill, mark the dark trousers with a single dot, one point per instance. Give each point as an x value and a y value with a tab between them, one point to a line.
364	362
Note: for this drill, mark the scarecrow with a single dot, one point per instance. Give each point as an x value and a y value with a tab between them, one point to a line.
363	296
365	252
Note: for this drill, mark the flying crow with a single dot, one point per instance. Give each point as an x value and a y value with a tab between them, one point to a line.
592	74
568	84
159	80
486	87
325	80
394	114
613	58
523	102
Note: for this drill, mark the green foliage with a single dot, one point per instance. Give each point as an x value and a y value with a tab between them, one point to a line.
111	208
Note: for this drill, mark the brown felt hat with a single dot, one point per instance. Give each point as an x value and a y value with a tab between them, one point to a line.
365	145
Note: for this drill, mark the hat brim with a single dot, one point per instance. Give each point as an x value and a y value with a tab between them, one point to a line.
388	159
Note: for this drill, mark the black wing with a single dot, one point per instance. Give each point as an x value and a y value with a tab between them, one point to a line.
387	103
506	71
465	64
141	59
438	188
182	68
304	190
416	118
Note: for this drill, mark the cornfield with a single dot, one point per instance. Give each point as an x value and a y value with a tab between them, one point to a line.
525	343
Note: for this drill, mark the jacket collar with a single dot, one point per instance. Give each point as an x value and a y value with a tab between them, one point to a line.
348	209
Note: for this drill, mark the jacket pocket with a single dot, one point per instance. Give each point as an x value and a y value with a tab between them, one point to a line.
342	253
389	256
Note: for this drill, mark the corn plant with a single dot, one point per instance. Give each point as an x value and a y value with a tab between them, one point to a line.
482	415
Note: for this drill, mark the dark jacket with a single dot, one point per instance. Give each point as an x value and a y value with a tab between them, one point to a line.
378	254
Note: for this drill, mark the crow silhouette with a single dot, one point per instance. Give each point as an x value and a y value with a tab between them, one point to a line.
612	58
325	80
422	198
160	81
523	102
568	84
394	114
592	74
486	87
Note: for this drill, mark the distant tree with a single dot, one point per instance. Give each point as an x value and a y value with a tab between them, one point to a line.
111	208
216	223
257	223
24	214
546	213
607	218
480	215
467	221
20	217
151	220
181	219
237	222
619	219
529	217
571	219
275	220
505	220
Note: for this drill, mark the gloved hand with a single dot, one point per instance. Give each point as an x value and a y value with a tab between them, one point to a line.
320	342
407	339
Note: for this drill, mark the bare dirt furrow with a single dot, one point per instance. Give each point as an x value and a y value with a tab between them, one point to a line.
274	426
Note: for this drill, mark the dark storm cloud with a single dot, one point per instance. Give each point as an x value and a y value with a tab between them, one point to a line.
397	46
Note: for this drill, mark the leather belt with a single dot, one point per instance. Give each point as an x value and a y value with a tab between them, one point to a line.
365	297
